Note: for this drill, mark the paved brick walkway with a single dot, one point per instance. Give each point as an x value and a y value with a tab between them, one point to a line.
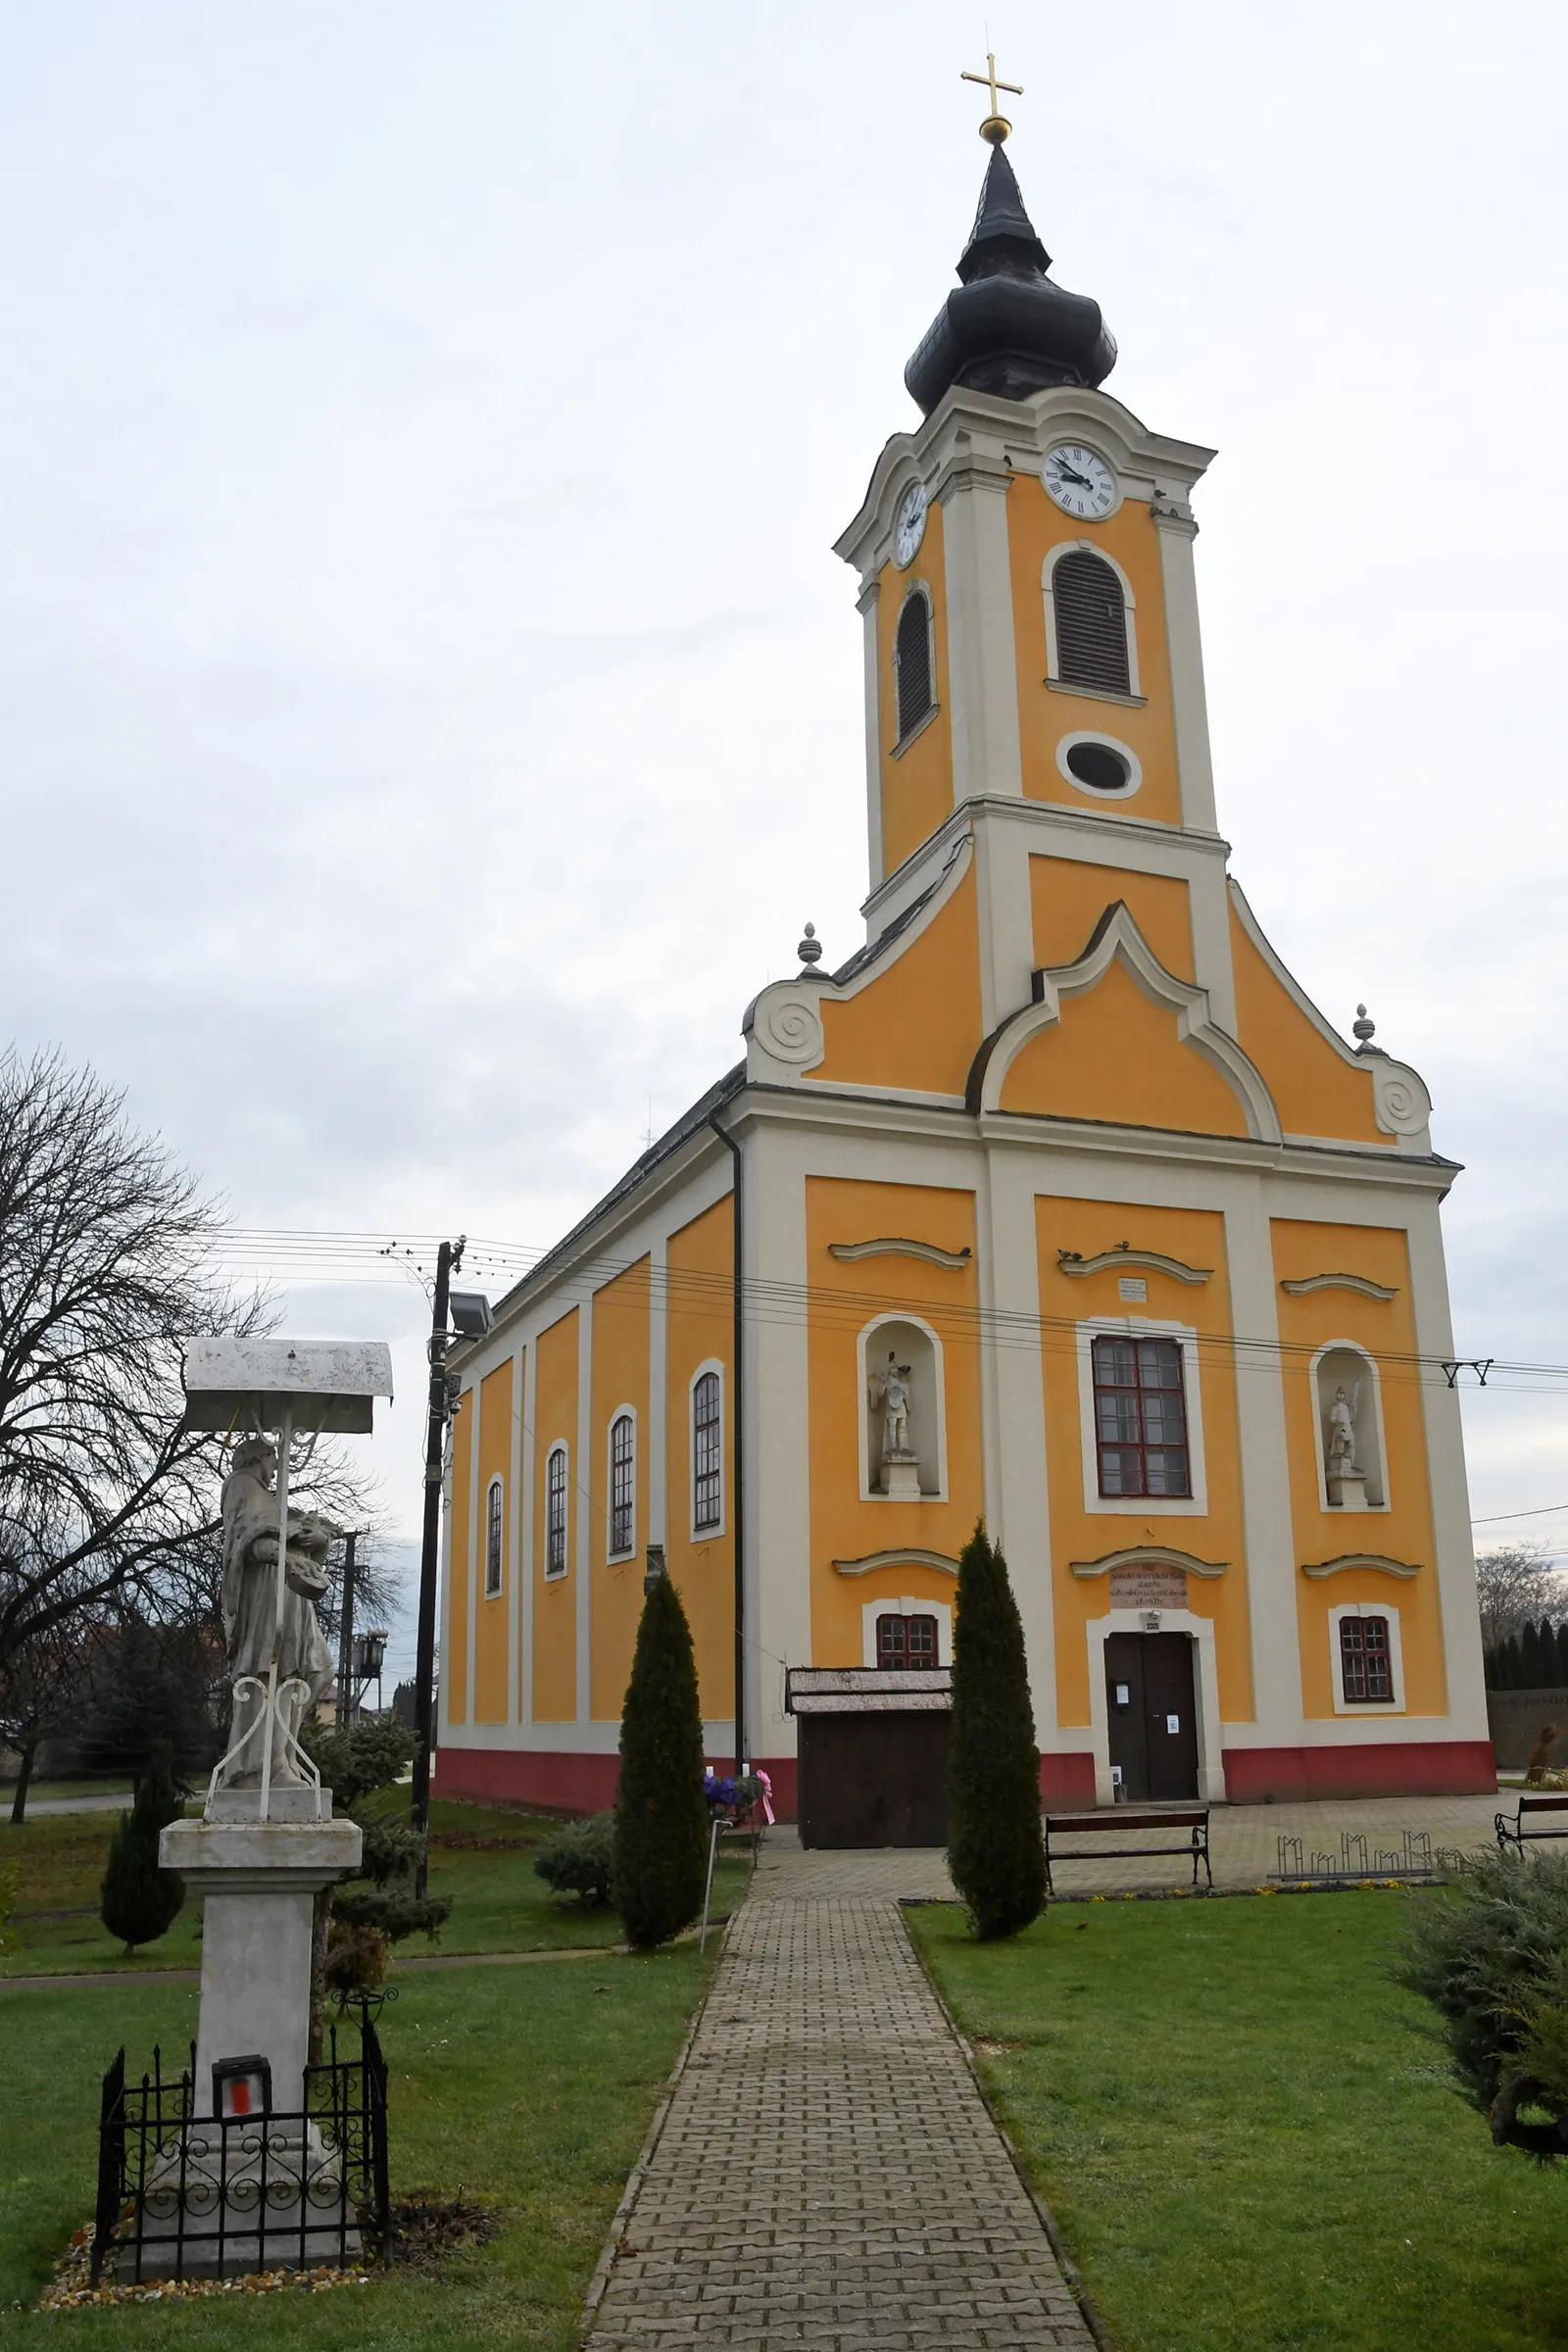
828	2175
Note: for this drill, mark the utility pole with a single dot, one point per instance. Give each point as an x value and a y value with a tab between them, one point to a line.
345	1640
448	1257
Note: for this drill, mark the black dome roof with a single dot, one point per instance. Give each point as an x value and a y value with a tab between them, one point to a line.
1008	328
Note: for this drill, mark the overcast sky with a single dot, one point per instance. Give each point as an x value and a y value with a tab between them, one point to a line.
429	701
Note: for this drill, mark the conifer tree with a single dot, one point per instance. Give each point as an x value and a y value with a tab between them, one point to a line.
1511	1674
1537	1669
137	1901
1562	1653
995	1851
660	1837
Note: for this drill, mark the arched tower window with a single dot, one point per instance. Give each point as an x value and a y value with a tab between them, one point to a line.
623	1484
911	663
1091	617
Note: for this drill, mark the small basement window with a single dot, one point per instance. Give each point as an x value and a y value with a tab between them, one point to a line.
907	1641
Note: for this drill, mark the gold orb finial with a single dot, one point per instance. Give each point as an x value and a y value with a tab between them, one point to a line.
996	126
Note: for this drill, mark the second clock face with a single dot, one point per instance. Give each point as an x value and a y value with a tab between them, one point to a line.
909	528
1081	483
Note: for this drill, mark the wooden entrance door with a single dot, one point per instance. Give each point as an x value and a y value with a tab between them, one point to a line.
873	1779
1153	1717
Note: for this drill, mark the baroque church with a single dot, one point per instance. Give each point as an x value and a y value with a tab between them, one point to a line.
1057	1205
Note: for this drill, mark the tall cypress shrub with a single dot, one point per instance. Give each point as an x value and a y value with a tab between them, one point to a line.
136	1900
1562	1653
995	1851
1510	1672
1537	1667
660	1837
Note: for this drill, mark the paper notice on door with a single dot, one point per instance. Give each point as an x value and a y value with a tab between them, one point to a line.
1124	1697
1173	1724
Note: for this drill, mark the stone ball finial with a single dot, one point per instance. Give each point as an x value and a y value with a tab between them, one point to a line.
810	950
1361	1028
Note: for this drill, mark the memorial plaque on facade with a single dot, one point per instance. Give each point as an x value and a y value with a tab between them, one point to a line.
1149	1587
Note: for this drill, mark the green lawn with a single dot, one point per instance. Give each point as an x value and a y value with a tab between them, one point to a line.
500	1905
1246	2146
532	2088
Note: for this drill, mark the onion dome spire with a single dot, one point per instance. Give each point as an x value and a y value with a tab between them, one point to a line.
1008	328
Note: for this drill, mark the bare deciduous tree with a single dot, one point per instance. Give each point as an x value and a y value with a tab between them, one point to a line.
1515	1583
45	1688
107	1267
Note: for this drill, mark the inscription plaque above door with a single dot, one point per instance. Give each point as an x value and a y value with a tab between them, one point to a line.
1149	1587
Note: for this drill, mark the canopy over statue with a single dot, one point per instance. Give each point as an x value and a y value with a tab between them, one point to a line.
274	1558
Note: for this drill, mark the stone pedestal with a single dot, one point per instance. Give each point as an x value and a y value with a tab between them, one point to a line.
259	1881
1348	1491
901	1477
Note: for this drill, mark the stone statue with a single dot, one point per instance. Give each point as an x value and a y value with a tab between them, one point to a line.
891	1390
1342	1433
249	1609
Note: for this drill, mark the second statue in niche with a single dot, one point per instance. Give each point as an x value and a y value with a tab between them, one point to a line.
901	1463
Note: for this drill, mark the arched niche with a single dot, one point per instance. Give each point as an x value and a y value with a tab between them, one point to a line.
1343	1375
908	1350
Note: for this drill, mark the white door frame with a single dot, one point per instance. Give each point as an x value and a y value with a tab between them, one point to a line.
1206	1691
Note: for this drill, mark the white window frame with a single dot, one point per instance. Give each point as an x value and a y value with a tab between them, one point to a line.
495	1520
1128	614
907	1605
1347	1347
1374	1707
706	1535
626	1551
903	736
899	1314
1141	1506
553	1575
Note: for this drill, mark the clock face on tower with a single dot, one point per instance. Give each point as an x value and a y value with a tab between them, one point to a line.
909	528
1081	483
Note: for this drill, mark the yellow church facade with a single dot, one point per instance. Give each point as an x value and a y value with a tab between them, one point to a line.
1059	1205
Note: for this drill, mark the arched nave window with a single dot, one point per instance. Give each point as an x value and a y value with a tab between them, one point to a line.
623	1485
494	1507
707	1453
556	1512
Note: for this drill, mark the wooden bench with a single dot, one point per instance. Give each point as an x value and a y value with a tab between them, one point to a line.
1118	1822
1518	1833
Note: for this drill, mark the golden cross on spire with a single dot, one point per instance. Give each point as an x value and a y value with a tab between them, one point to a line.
996	125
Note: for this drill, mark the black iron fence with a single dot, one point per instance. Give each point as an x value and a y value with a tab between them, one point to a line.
248	2187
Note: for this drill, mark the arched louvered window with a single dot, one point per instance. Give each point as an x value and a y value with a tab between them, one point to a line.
911	663
1091	615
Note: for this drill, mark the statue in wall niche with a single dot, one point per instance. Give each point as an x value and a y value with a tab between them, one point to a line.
892	1392
1342	1433
251	1624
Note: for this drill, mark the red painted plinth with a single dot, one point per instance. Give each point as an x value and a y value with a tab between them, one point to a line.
1068	1779
567	1784
1403	1768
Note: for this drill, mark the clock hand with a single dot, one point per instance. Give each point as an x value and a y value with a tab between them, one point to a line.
1072	474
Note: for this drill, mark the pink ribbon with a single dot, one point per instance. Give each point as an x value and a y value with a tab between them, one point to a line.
767	1793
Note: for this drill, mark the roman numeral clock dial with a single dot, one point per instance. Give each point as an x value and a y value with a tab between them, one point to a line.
1081	483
